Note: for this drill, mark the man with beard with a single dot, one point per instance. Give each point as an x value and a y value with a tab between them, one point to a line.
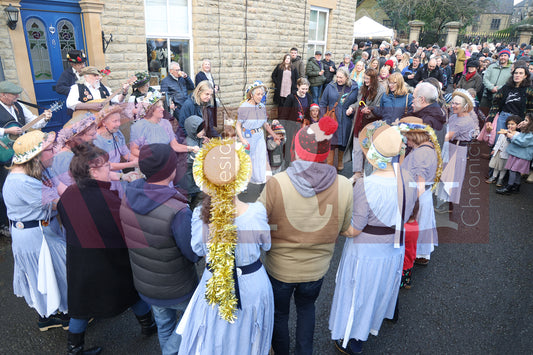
494	78
430	71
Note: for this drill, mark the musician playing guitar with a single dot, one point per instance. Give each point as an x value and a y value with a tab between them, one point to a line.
91	89
11	110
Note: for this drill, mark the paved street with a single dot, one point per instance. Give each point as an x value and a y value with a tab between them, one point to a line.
475	297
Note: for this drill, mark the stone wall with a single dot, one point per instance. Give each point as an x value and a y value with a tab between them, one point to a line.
245	44
126	55
6	53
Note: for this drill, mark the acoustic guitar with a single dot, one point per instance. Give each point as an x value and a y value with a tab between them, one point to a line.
105	101
6	142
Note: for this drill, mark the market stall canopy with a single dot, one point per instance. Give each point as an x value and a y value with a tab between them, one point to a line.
365	27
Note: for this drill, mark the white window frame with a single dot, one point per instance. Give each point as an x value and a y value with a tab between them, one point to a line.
314	42
173	36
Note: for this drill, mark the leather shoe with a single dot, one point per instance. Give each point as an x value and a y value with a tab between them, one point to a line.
354	347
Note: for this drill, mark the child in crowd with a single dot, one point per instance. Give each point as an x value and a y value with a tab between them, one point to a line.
314	111
520	150
411	237
275	150
499	152
194	128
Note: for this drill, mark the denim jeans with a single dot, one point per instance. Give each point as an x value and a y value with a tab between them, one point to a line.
166	319
315	93
305	295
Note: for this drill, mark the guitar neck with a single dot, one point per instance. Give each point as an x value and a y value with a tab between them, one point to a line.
108	99
30	124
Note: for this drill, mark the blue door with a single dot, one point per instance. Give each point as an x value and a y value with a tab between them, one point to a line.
51	31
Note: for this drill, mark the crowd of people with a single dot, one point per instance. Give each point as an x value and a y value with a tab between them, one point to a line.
115	210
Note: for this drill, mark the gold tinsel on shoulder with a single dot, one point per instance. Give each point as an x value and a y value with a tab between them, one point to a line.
220	288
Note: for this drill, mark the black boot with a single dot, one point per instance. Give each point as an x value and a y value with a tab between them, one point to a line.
515	188
75	345
505	190
148	326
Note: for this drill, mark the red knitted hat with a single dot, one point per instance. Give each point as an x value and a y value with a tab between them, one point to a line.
312	142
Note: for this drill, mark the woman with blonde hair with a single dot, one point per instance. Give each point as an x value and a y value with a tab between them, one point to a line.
373	64
199	104
205	75
395	103
374	54
358	73
404	62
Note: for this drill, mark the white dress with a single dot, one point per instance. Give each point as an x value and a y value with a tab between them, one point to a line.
370	270
201	328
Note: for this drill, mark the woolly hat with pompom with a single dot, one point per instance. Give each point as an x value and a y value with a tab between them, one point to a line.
312	142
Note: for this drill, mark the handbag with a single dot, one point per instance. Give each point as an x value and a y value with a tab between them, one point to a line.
331	113
489	137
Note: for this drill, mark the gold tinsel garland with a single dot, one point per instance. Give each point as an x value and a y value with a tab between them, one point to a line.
220	288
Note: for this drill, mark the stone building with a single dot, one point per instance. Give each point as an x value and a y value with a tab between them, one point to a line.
496	16
244	39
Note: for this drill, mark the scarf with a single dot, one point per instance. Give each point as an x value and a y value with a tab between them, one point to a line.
469	76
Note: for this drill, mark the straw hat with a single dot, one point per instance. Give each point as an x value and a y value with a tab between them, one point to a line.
73	127
222	163
381	143
29	145
465	95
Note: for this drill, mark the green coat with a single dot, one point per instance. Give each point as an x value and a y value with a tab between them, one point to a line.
312	70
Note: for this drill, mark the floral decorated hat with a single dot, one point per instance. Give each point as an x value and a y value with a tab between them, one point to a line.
29	145
150	99
74	127
415	124
382	144
142	79
256	84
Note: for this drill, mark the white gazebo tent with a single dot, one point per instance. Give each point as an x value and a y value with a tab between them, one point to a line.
365	27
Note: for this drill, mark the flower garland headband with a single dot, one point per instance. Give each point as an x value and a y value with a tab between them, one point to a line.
416	127
220	288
